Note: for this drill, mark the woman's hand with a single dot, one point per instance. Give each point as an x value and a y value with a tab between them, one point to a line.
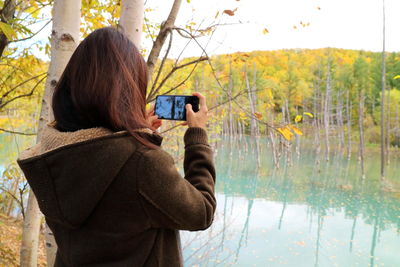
152	119
197	119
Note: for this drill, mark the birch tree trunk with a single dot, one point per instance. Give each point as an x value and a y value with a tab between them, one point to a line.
327	112
64	40
132	15
348	111
253	130
383	97
388	126
230	88
361	126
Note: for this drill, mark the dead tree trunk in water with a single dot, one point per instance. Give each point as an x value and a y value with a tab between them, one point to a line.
327	112
250	94
361	127
383	96
348	111
388	127
230	88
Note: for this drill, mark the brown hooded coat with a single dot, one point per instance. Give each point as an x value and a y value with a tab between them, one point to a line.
111	201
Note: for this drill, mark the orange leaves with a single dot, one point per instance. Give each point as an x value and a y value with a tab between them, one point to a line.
230	12
258	115
302	24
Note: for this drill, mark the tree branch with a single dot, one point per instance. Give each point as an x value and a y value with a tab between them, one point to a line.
33	35
161	37
16	132
22	83
196	61
2	105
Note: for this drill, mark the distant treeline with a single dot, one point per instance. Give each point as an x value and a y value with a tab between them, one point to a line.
277	88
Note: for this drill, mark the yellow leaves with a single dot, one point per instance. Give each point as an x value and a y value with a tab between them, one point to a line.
7	30
296	130
288	131
242	115
396	77
268	91
298	118
309	114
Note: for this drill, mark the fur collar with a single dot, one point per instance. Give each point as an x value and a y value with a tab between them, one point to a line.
53	138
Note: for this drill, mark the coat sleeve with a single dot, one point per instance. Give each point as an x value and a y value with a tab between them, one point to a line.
172	201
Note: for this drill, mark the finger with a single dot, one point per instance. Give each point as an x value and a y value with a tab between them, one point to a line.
202	99
150	112
153	118
189	109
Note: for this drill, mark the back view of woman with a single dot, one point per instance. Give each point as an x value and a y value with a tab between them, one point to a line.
109	193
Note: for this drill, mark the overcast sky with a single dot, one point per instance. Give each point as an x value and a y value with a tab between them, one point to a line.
351	24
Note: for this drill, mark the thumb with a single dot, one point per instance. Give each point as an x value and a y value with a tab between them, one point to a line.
189	108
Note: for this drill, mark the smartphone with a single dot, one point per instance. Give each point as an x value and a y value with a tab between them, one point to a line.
172	107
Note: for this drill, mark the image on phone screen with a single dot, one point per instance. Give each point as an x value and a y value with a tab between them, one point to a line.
173	107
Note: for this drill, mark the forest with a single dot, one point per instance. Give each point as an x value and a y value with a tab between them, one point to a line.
289	127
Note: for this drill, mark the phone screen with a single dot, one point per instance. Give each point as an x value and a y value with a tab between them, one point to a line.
172	107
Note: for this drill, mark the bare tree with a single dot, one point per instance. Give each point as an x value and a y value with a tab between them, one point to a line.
383	96
361	128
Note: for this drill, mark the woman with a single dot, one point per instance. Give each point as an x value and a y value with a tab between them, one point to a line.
109	193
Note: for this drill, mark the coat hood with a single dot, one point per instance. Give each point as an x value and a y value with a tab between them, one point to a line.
70	171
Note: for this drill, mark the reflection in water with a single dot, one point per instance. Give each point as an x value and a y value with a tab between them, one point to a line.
309	212
305	214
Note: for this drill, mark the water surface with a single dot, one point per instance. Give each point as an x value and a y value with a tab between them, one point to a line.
309	212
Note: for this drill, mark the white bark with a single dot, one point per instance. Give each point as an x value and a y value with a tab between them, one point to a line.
383	96
65	38
132	15
30	236
327	112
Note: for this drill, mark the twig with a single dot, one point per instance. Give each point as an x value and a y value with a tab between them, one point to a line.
22	83
34	34
16	132
23	95
196	61
161	66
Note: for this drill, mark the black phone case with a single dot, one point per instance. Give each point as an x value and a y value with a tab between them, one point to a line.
193	100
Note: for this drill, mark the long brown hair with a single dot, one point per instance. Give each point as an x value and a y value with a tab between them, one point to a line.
103	85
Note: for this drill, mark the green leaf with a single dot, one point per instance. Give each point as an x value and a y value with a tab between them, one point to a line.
188	1
7	30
